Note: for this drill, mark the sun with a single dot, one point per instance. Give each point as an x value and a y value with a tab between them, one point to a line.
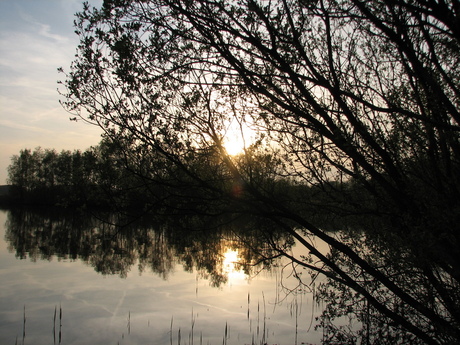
234	146
237	138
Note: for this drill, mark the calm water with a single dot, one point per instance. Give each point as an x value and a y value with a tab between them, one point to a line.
73	281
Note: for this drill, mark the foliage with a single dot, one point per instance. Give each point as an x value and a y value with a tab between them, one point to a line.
352	96
44	174
45	177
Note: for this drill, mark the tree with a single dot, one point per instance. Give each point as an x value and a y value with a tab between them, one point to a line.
20	172
43	176
360	99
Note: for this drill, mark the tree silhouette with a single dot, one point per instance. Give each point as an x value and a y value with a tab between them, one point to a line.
359	100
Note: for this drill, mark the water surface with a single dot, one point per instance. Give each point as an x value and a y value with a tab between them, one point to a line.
66	286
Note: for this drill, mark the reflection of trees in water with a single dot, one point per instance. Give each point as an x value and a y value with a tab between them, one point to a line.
350	318
45	235
113	244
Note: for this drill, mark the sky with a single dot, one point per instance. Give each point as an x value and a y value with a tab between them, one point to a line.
36	38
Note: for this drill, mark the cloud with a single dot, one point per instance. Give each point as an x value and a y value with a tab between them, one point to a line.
45	31
42	29
29	58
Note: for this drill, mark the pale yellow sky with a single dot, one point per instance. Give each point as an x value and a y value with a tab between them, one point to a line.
37	37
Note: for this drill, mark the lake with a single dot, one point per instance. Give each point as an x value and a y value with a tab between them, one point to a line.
77	279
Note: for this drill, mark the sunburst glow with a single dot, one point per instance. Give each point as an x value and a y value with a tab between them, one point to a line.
238	138
234	146
230	267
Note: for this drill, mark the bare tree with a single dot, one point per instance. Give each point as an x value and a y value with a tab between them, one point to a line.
359	99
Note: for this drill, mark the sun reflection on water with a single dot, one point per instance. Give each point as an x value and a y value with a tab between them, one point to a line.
231	267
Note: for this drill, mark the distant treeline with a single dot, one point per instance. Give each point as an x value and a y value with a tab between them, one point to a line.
67	178
103	177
